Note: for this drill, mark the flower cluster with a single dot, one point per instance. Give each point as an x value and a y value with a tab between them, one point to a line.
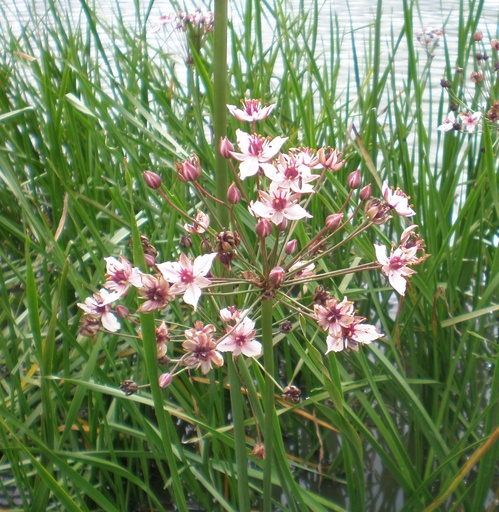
429	38
275	186
484	76
183	29
345	329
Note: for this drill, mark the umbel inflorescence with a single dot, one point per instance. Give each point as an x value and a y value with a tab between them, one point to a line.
258	257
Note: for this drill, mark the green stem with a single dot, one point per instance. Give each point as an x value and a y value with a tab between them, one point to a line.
219	104
268	428
236	400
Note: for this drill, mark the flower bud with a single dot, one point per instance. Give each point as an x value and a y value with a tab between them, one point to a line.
291	247
476	77
185	241
365	193
277	276
226	147
189	170
494	44
152	179
263	228
377	211
333	221
445	84
330	158
477	36
353	180
165	379
233	194
122	311
150	260
206	246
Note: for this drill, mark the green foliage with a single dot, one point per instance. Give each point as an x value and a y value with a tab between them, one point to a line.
85	109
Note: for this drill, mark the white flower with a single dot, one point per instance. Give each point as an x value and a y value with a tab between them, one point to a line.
241	340
255	150
188	277
449	123
278	205
397	200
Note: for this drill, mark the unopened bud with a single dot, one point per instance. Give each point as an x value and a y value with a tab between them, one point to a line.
152	179
233	194
189	170
377	211
277	276
353	180
477	36
365	193
333	221
494	44
206	246
122	311
263	228
165	379
150	260
226	147
291	247
445	83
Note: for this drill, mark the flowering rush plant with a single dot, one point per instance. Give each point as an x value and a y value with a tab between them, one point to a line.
221	274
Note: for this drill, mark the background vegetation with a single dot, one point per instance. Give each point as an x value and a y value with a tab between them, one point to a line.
83	103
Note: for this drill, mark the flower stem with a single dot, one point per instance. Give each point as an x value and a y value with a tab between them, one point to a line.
268	361
219	104
236	400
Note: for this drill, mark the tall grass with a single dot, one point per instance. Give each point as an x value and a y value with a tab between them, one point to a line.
85	109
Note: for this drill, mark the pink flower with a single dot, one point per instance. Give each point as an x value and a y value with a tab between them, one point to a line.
397	200
252	111
201	348
241	339
232	314
200	225
98	306
470	120
305	269
121	275
157	292
188	277
395	267
334	316
291	173
330	158
350	337
255	150
449	123
278	205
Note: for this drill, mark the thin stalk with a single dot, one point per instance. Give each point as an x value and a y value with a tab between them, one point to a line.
219	103
236	400
268	428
